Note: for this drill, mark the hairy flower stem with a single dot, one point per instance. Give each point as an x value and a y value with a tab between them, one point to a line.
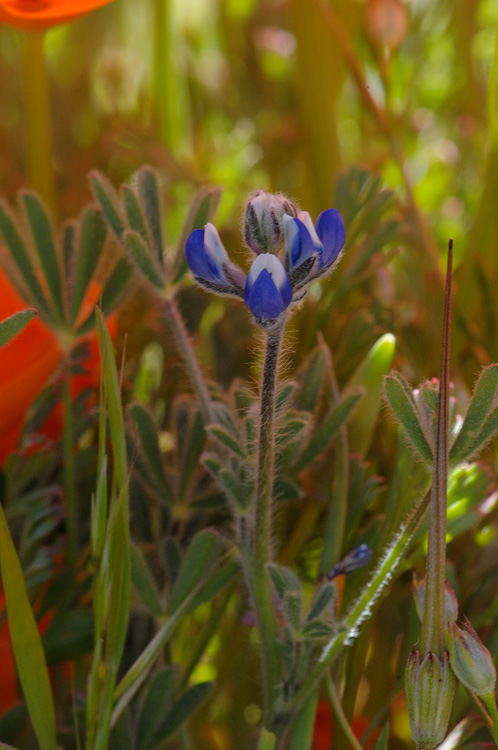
432	633
177	328
260	553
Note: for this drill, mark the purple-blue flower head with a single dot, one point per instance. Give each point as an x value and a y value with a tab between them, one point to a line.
304	241
268	291
205	254
210	265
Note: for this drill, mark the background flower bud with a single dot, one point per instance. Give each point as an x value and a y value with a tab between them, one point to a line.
430	685
470	659
263	217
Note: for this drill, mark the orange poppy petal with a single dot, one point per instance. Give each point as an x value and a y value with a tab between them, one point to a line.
42	14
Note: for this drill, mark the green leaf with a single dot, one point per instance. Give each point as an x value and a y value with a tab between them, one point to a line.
180	711
292	605
215	584
383	739
326	431
323	597
142	258
148	191
191	446
283	579
153	706
400	399
149	446
135	215
302	732
22	260
41	230
116	286
318	630
311	381
235	492
11	326
227	440
144	583
105	196
474	431
200	555
26	643
91	244
370	376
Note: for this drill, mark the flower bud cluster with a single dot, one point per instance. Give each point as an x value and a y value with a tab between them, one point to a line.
273	283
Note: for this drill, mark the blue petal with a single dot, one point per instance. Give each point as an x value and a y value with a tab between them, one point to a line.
268	291
330	230
200	262
299	244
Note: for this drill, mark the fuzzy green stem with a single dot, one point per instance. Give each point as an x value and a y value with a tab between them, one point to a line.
39	162
260	554
360	610
177	328
489	701
70	475
432	633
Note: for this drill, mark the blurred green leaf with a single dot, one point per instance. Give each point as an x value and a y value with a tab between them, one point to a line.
200	555
91	244
142	258
369	375
267	740
144	583
180	712
105	196
146	432
153	706
11	326
26	643
41	230
149	194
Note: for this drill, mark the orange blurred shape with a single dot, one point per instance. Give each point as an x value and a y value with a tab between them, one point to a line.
43	14
27	363
387	21
323	728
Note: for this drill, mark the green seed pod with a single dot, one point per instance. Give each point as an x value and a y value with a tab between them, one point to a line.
429	685
470	659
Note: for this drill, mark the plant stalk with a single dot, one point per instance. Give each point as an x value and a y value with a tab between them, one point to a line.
260	553
39	164
432	633
177	327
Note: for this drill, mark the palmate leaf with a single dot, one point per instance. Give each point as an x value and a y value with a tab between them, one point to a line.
400	399
92	237
481	419
43	238
11	326
26	643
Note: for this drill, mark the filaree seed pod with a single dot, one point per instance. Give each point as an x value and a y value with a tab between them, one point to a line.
470	659
429	685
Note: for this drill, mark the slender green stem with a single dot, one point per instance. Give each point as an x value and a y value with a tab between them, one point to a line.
39	162
70	475
260	553
432	633
335	702
359	612
178	330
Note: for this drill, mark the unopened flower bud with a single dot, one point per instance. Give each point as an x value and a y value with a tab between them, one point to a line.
430	685
268	291
470	659
263	220
450	601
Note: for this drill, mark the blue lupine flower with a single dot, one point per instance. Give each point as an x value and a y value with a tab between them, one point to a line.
303	241
206	255
210	265
268	291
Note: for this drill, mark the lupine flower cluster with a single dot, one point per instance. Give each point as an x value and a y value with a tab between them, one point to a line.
278	276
